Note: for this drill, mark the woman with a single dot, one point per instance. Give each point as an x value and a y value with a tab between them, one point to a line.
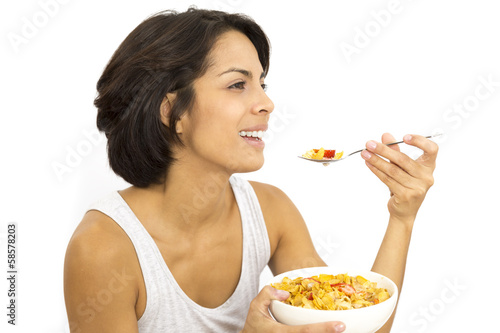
183	105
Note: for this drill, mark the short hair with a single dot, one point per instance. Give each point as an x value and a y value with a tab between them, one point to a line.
165	53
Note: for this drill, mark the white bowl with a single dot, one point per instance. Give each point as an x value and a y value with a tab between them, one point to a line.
363	320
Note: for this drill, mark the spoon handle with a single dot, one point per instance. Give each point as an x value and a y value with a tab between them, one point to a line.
392	143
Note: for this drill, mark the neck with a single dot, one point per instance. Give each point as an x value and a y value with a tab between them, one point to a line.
191	198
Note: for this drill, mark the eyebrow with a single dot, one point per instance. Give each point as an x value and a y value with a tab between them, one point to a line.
242	71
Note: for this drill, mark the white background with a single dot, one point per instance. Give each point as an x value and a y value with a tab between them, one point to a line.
408	74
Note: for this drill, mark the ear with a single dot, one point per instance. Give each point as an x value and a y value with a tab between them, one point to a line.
166	108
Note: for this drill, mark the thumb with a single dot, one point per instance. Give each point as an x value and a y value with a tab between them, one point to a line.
266	295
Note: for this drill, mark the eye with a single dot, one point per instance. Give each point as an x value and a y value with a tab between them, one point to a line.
264	86
238	85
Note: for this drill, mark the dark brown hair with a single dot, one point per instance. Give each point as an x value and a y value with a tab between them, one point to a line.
165	53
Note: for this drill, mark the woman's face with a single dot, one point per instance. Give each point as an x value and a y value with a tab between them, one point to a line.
231	108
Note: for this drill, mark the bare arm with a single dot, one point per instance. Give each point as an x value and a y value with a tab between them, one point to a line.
291	248
100	284
291	244
408	182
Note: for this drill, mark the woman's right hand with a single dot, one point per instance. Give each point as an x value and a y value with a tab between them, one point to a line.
259	319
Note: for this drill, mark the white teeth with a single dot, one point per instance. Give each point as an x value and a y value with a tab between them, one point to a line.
252	134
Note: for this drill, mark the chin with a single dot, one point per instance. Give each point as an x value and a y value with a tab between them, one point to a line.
256	167
244	166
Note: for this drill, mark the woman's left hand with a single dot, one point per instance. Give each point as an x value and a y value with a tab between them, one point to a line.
407	179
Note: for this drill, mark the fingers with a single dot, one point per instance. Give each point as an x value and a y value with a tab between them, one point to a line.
391	175
408	180
269	293
428	159
259	319
430	149
399	165
388	138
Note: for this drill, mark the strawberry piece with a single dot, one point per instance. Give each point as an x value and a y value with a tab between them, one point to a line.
345	288
329	154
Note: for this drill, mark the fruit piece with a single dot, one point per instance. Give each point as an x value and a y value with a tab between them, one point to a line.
361	279
319	155
338	156
311	278
345	288
329	153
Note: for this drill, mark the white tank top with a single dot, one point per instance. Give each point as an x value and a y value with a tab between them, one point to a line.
168	308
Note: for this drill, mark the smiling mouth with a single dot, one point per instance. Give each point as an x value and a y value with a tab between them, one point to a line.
256	135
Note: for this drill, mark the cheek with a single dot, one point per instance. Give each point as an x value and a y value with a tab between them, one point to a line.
217	122
212	132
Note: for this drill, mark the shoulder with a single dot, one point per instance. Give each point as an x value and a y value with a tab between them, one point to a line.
278	210
276	206
98	234
291	244
100	268
271	197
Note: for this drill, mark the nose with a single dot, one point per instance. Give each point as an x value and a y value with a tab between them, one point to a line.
263	105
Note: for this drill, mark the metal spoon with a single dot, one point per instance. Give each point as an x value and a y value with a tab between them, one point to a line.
327	162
